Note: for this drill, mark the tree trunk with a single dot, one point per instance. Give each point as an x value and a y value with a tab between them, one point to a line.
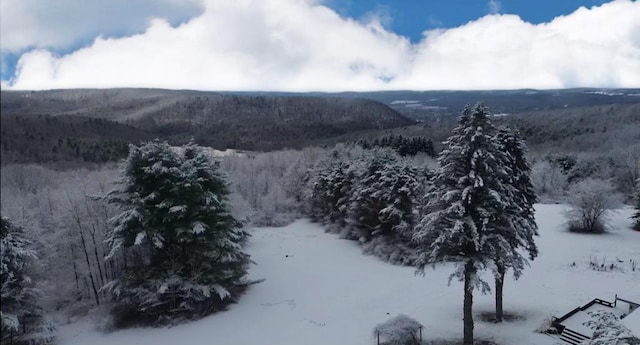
95	252
76	217
124	259
499	285
75	267
86	285
86	256
469	272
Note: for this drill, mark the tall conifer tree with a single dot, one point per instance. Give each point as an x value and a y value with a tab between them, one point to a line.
175	218
522	226
467	211
22	319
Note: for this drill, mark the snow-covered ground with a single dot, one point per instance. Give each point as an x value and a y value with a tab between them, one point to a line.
320	289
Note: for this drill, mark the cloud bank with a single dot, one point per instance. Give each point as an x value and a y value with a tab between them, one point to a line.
61	24
298	45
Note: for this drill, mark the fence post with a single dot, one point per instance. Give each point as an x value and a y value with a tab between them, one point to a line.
420	333
378	334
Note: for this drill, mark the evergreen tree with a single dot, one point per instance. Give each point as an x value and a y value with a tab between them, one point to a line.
521	215
384	200
403	146
175	219
467	206
21	318
331	192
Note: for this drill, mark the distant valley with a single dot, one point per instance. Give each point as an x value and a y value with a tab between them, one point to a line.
97	125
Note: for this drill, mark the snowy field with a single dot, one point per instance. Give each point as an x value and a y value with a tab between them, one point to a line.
320	289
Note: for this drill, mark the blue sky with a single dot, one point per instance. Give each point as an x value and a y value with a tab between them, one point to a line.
411	17
324	45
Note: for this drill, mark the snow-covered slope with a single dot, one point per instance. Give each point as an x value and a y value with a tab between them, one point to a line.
321	290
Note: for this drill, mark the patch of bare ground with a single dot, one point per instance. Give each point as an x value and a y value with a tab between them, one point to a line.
489	316
459	342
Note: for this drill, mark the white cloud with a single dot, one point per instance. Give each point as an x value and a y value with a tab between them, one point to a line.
494	6
61	24
300	46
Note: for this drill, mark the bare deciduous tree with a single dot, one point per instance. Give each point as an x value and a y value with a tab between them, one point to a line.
592	201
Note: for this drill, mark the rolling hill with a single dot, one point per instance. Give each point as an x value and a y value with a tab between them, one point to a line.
96	125
32	121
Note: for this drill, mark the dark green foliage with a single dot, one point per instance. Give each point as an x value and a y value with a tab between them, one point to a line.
246	122
187	246
521	227
331	192
564	161
404	146
467	216
521	213
373	197
46	138
21	317
468	201
384	200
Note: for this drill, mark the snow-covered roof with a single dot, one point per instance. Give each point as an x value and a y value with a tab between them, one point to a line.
632	321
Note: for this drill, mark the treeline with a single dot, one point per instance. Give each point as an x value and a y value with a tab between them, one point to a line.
598	129
374	197
221	121
43	139
555	173
403	146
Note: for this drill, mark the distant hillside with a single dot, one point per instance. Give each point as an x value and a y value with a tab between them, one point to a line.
97	125
218	120
599	128
43	138
425	105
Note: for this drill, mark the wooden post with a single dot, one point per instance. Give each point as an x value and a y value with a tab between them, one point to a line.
420	333
378	333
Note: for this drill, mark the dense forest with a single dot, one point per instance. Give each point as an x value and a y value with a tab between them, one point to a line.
259	123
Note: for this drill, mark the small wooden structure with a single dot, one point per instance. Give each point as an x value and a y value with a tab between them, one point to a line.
576	334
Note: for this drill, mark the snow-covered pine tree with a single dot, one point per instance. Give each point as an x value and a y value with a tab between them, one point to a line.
22	319
331	192
521	214
467	205
187	246
385	197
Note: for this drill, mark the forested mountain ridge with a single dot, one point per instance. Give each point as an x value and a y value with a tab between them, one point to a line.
44	138
37	125
597	128
97	125
424	105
